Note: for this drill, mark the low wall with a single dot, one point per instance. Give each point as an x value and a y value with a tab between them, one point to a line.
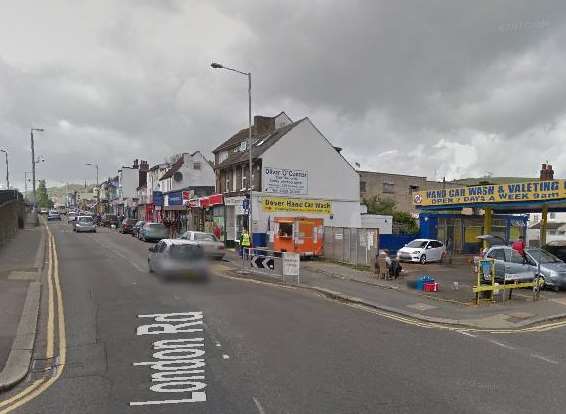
12	212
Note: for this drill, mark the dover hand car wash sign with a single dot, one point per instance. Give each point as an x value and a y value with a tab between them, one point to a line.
285	181
495	193
296	205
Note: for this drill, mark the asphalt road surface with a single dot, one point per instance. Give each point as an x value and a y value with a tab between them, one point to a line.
137	344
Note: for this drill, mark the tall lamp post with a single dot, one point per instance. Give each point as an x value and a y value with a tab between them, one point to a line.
7	170
33	162
97	189
215	65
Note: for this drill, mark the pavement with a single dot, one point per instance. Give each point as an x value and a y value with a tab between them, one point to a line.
135	342
449	306
21	262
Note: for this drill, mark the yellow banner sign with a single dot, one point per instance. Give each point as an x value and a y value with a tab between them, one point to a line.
495	193
298	205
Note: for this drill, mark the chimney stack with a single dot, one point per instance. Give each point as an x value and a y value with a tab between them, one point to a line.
546	172
263	125
135	163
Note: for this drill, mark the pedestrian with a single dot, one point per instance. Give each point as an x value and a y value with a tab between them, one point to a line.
245	243
519	247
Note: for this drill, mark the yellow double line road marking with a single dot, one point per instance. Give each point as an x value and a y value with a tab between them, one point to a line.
55	297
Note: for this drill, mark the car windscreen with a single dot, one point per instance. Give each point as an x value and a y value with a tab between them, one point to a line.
86	220
542	256
417	243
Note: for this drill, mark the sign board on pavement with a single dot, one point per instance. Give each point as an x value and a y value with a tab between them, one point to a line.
291	264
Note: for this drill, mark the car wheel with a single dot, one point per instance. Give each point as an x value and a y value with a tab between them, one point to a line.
423	259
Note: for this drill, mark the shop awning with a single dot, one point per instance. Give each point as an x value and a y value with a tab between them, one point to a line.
209	201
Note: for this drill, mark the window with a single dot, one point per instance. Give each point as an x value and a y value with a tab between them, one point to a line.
223	156
497	254
413	188
227	176
434	244
205	237
388	188
552	216
285	230
516	257
363	186
196	165
244	177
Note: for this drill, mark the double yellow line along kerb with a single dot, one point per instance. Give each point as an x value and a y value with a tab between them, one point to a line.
55	302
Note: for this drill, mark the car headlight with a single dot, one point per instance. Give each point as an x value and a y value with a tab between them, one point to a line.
417	252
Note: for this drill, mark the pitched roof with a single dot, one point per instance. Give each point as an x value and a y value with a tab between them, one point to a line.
261	143
174	168
243	134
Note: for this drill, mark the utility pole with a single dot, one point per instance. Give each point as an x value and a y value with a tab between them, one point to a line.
33	168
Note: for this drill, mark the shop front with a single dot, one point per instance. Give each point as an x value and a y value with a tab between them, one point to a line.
458	216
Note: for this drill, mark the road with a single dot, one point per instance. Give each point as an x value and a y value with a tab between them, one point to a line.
257	348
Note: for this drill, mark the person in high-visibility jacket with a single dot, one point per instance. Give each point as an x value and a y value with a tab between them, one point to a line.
245	243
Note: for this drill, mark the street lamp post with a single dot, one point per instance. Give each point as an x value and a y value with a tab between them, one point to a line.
7	170
97	188
215	65
33	162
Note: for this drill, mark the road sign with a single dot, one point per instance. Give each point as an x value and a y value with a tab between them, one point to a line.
246	204
291	263
263	262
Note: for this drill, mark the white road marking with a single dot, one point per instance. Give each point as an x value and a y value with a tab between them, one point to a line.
225	356
543	358
467	334
501	344
258	405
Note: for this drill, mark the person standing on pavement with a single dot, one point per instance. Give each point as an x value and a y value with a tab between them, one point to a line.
245	243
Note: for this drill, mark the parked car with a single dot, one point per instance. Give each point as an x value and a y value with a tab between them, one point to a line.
212	247
109	220
137	227
422	251
510	265
557	248
177	257
84	224
53	215
549	267
154	232
127	225
71	217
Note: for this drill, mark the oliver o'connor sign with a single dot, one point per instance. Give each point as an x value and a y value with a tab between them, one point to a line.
285	181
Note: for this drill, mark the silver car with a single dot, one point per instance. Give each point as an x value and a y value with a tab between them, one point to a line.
177	257
84	223
552	269
510	266
154	232
212	247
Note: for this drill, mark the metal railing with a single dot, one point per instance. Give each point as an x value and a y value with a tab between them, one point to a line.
356	246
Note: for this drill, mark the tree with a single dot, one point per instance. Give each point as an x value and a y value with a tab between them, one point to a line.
43	200
386	206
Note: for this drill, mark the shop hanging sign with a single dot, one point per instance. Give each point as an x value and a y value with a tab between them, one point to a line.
495	193
297	205
285	181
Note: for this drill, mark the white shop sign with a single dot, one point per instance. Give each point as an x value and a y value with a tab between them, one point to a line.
285	181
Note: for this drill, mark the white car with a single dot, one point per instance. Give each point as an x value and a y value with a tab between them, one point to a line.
422	251
84	223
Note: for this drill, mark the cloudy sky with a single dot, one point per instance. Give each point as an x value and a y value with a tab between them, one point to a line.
436	88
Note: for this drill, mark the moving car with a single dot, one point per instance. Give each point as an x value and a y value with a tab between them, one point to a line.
212	247
154	232
84	223
71	217
137	227
127	225
53	215
510	265
177	257
422	251
109	220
